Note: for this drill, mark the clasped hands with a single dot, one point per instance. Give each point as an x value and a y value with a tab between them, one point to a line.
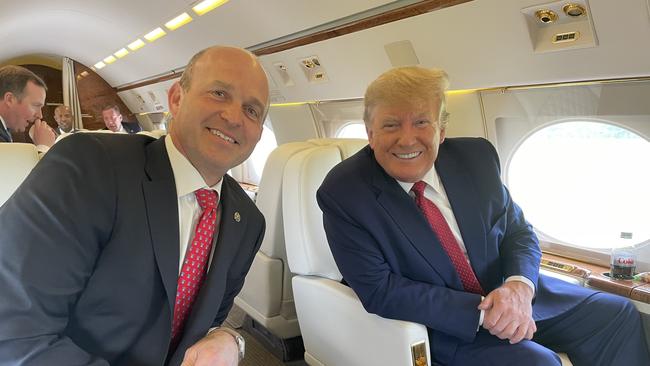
215	349
509	312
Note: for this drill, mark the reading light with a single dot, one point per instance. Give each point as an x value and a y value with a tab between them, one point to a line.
546	16
207	5
121	53
178	22
574	10
154	34
99	65
136	45
110	59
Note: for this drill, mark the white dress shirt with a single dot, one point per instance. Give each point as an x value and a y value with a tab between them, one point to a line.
435	192
187	180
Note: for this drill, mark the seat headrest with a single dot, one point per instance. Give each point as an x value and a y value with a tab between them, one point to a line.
269	196
16	160
307	250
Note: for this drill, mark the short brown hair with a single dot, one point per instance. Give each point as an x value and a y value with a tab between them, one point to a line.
408	85
114	107
14	79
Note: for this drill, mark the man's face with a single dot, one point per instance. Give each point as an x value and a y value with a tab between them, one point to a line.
63	118
25	111
219	119
112	119
405	139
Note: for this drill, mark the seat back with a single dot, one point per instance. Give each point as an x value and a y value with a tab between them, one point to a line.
267	295
16	160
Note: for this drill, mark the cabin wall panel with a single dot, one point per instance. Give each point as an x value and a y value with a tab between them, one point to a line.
293	123
94	95
465	117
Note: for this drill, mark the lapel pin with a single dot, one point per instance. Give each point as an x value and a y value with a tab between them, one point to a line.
237	216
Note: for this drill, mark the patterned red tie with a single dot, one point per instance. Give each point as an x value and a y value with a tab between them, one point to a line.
195	262
447	240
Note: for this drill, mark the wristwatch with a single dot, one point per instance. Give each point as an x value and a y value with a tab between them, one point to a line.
241	343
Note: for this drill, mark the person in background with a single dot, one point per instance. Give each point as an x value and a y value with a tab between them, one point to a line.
114	121
63	117
128	250
423	230
23	97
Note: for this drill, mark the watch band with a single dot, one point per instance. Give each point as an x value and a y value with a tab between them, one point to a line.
241	342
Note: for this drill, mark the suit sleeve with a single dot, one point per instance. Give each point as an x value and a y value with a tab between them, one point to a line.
52	230
386	293
519	249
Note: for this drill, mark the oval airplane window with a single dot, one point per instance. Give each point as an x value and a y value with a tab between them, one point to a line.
352	130
262	151
584	183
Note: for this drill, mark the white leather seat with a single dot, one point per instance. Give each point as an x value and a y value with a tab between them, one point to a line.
336	329
267	296
16	160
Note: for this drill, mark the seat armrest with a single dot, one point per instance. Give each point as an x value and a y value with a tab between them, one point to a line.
337	330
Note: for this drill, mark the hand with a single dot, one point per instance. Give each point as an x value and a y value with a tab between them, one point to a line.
216	349
508	312
42	133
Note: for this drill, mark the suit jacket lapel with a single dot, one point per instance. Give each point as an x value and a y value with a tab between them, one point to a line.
230	233
408	218
5	136
463	198
162	214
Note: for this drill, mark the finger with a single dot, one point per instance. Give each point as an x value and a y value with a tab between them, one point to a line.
486	303
492	317
189	358
519	334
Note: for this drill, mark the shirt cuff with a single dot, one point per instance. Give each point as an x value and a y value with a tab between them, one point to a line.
42	149
480	317
522	279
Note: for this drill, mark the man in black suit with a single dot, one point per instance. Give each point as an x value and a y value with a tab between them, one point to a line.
23	97
114	121
63	118
93	241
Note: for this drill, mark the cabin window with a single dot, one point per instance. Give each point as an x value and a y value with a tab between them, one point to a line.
353	129
250	171
584	183
575	158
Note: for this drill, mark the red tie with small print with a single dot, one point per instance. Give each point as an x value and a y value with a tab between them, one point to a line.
195	262
447	240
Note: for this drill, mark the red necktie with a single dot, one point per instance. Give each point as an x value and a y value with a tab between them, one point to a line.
447	240
195	262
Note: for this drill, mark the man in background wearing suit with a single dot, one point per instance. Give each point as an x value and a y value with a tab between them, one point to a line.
63	118
126	250
114	121
23	97
423	230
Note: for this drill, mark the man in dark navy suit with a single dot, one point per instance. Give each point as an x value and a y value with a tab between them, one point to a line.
22	96
126	250
114	121
423	230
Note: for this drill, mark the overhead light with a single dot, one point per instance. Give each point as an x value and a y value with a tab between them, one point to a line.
99	65
136	45
178	22
110	59
84	73
93	68
207	5
546	16
154	34
574	10
121	53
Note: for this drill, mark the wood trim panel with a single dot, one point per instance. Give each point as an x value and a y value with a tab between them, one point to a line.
596	279
408	11
422	7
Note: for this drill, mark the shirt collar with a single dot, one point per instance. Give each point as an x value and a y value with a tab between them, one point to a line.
431	178
3	123
186	177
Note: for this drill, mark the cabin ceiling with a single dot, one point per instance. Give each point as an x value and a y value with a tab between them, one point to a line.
90	30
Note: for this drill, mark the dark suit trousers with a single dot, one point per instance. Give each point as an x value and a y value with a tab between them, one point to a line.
604	330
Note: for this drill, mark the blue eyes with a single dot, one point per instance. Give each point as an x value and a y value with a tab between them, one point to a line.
250	111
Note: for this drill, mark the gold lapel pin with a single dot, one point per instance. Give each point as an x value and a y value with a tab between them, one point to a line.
237	216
